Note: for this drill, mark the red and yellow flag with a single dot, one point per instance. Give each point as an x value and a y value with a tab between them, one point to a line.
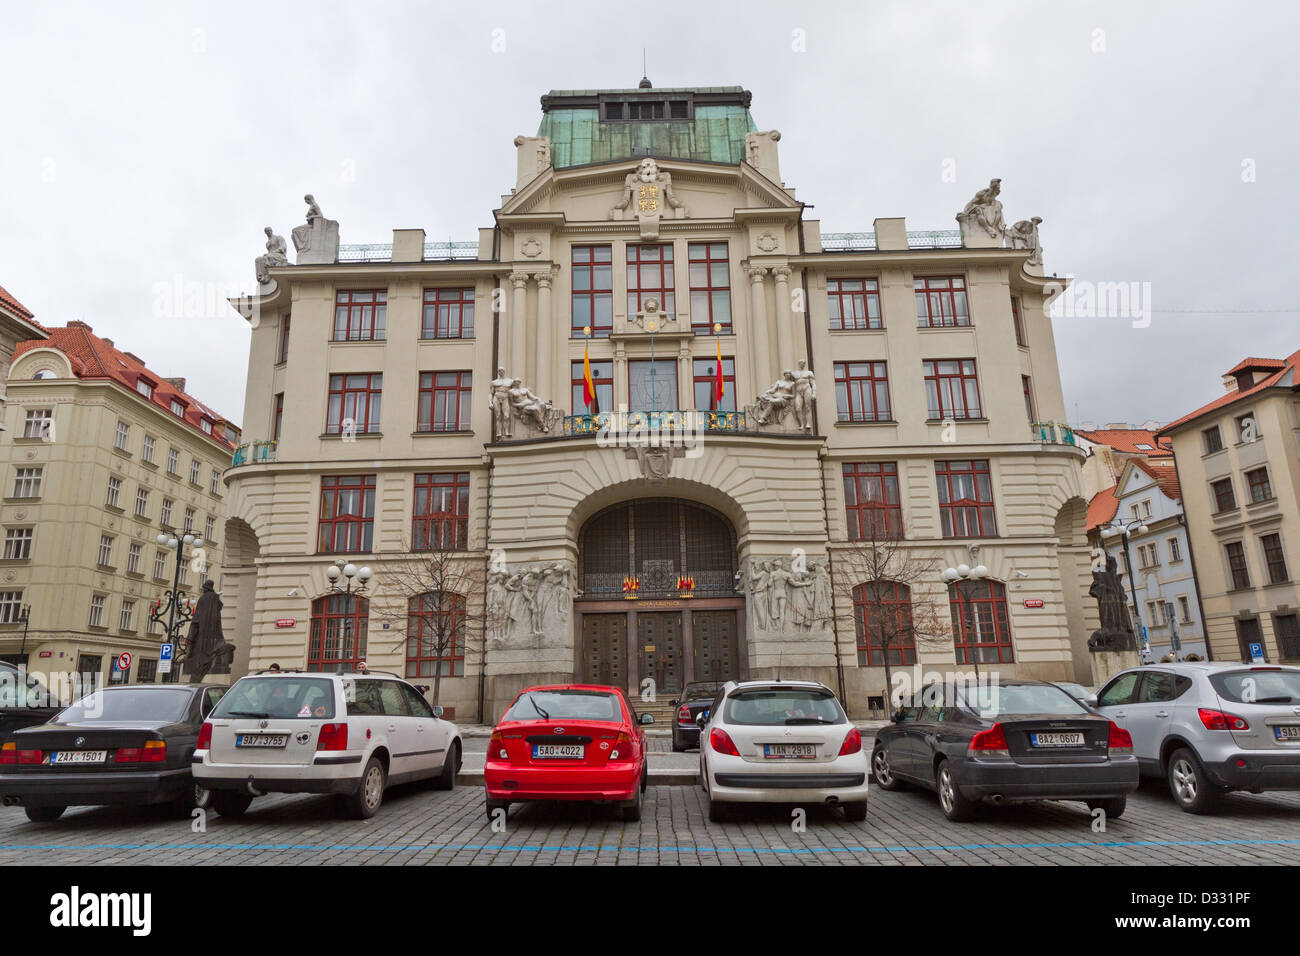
588	386
719	386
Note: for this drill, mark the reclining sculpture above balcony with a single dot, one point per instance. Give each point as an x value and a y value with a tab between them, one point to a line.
519	413
786	405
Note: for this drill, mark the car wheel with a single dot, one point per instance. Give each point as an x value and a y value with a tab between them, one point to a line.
718	811
365	800
955	807
1190	785
1113	807
202	796
630	811
228	803
44	814
491	806
881	772
447	779
855	812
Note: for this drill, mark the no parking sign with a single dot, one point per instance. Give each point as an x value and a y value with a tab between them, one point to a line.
124	661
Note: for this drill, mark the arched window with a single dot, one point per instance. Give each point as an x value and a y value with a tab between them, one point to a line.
979	619
338	632
44	374
882	617
435	635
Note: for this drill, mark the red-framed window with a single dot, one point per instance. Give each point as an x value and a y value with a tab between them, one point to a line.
854	303
710	277
965	499
1274	559
278	417
882	618
593	291
440	517
650	276
873	508
951	389
1261	489
282	350
360	316
602	376
862	391
941	301
1019	322
1224	499
1237	565
347	514
354	399
338	632
444	403
981	626
704	376
448	314
435	635
1029	396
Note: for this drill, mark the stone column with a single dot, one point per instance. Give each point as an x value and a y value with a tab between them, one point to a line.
685	375
545	332
784	321
517	366
762	347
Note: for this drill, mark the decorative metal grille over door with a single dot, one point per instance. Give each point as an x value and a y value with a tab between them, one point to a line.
604	649
717	651
659	641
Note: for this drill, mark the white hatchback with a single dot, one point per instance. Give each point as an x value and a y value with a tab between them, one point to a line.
346	734
781	742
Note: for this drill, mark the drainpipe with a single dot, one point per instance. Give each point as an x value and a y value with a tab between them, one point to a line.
487	571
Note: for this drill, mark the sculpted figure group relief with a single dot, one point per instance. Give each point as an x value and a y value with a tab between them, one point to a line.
525	605
786	596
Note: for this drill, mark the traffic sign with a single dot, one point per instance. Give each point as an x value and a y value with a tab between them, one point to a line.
1257	653
124	661
165	652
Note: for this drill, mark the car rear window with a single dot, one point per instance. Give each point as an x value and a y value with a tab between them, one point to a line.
284	698
701	691
1014	700
565	705
129	703
777	706
1258	686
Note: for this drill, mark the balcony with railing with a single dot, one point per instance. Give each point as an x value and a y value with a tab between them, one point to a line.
1051	433
866	241
663	423
256	451
383	251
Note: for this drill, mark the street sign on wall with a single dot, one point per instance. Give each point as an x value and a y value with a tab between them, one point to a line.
285	622
1033	602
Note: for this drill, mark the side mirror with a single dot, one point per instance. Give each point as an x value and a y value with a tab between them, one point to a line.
647	718
1091	700
437	710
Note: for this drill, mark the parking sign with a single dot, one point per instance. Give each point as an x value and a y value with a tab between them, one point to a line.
1257	653
165	658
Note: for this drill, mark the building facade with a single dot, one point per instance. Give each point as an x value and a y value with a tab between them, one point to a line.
765	404
17	324
101	456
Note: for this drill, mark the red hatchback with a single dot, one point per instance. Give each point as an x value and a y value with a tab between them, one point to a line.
568	742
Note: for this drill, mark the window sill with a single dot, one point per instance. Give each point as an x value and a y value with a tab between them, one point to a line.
358	342
17	498
121	452
1262	501
944	328
117	510
431	432
339	436
107	567
1211	454
100	628
135	574
29	440
149	464
875	328
15	562
866	421
445	338
144	518
173	476
958	421
1280	584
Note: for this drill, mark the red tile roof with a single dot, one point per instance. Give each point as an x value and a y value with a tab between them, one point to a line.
1284	376
1126	440
1102	507
1162	470
93	358
7	301
1256	363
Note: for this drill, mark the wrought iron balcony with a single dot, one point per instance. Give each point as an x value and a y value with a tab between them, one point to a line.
866	241
383	251
1053	434
254	451
673	421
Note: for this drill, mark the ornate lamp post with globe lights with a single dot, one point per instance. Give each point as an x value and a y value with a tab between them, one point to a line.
960	575
174	609
348	572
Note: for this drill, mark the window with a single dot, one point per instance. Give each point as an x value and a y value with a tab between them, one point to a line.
142	502
282	350
347	514
114	495
1248	632
647	391
440	520
602	376
144	387
1029	397
1184	609
205	426
97	610
965	499
121	435
1224	499
1141	509
277	416
1148	556
650	276
27	482
194	472
1247	427
941	302
854	303
1018	321
189	520
124	620
18	544
951	389
1286	627
1274	559
133	558
214	481
165	518
146	453
448	314
862	392
338	632
1156	614
178	408
444	402
593	291
11	607
1237	566
704	376
1175	551
710	276
147	671
36	423
435	635
354	404
360	316
882	617
980	622
106	550
209	529
1260	487
872	506
173	461
160	564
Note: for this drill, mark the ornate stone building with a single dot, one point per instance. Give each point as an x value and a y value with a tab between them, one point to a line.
761	396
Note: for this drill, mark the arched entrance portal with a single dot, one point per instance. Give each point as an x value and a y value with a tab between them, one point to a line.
657	597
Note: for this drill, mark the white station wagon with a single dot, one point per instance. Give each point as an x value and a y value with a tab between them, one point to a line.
347	734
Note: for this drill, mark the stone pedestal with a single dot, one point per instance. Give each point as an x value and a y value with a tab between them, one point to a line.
317	242
1106	664
975	236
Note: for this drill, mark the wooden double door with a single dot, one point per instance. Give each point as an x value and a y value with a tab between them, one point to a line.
672	648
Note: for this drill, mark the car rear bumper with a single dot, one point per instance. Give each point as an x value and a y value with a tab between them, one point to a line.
1262	771
988	778
506	782
691	734
95	789
342	774
735	780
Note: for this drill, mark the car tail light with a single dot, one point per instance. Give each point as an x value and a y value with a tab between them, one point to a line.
684	714
622	748
990	743
9	753
852	743
497	748
30	756
721	743
127	755
1120	740
1221	720
205	736
155	751
332	737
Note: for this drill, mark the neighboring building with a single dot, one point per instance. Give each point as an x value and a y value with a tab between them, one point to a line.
100	456
1110	448
1238	462
937	393
16	325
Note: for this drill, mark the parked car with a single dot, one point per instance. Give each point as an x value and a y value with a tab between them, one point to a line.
695	700
352	735
1084	695
24	701
568	742
1209	728
129	744
767	741
1019	741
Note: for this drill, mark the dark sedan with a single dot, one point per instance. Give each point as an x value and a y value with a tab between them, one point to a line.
120	745
1011	742
696	699
24	701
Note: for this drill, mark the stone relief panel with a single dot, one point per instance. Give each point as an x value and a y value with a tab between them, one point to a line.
530	606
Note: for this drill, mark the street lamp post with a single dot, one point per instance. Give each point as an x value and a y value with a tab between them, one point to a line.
26	615
960	575
348	572
174	606
1123	529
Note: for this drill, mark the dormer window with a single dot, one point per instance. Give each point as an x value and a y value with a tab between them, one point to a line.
206	426
178	408
646	107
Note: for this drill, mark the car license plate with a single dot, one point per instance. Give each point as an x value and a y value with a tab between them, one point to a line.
261	740
803	751
1056	740
78	756
1287	732
562	751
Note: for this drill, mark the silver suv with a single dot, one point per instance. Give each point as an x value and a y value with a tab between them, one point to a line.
1209	728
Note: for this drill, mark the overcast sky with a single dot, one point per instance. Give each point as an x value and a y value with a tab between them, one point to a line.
148	144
